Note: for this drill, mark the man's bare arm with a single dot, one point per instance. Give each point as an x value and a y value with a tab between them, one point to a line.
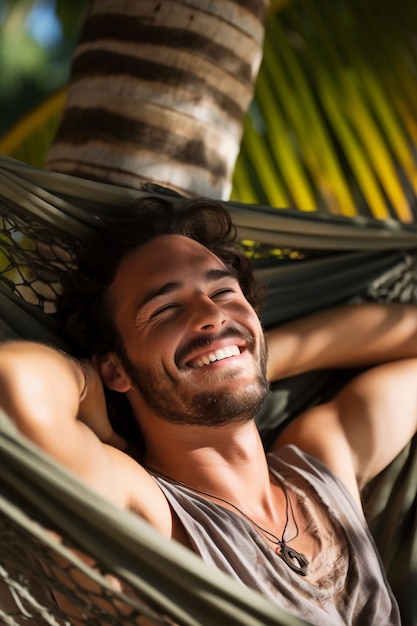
360	431
378	413
40	390
347	336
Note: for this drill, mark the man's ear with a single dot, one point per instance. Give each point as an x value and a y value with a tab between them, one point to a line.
112	372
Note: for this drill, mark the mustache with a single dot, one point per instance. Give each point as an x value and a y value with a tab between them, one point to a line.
207	340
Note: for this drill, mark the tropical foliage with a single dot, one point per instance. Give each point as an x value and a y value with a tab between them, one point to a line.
37	38
333	125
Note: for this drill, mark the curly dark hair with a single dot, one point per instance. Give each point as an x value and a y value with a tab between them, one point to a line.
83	307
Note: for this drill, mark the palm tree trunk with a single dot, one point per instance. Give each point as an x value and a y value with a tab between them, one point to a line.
158	92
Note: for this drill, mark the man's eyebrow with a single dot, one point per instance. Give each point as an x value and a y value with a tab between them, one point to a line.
159	291
216	274
209	277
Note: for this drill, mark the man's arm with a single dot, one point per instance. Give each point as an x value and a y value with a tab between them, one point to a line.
347	336
40	390
364	427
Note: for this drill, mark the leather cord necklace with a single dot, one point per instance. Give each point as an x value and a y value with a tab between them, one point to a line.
296	561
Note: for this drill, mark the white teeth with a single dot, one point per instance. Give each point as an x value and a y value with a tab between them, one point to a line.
218	355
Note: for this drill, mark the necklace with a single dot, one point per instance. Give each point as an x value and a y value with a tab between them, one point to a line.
292	558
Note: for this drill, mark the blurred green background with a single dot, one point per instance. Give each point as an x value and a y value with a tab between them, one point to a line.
37	38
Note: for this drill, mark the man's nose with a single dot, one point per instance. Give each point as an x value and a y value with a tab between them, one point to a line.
206	314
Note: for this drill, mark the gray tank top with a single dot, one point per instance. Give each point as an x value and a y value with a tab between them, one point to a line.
345	585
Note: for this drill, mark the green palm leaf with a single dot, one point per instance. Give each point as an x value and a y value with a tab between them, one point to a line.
30	139
338	85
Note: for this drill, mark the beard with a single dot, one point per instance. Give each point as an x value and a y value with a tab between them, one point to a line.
176	401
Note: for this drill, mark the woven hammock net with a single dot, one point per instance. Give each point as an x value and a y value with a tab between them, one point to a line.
60	541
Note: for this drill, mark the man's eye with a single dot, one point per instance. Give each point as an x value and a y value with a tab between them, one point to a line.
163	309
223	292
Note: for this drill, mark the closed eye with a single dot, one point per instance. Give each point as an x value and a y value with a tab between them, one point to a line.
164	309
222	292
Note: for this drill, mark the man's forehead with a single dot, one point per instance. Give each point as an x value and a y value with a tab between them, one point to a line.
167	251
167	257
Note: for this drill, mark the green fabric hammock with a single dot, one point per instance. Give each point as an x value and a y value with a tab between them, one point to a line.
308	262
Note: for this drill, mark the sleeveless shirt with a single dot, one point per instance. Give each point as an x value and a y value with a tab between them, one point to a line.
345	585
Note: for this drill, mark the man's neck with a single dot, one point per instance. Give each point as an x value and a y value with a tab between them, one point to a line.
227	461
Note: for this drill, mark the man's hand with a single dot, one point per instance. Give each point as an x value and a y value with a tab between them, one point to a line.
93	411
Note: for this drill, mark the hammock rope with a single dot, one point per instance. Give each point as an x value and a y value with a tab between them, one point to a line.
48	518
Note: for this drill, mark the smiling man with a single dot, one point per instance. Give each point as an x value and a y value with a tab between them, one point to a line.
196	349
166	307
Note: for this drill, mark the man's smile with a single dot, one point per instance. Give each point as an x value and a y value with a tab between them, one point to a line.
216	355
207	349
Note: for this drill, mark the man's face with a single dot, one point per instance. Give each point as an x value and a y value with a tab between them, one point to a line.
194	349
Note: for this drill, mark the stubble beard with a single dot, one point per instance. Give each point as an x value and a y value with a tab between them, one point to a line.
192	405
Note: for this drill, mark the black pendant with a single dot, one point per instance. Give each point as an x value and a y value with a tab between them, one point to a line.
295	560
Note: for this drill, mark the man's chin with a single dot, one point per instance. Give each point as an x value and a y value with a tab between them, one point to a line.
237	395
233	374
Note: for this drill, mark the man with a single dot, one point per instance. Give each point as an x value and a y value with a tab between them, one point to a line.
164	305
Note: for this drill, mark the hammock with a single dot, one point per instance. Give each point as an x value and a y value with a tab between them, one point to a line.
58	537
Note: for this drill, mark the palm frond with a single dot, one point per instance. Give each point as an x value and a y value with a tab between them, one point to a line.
31	138
340	80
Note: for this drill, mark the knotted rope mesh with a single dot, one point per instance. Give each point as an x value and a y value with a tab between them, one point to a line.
40	569
32	258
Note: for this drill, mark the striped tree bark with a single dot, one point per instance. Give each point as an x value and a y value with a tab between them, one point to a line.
158	91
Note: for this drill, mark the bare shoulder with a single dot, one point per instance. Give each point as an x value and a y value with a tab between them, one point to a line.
364	427
378	411
319	433
134	489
